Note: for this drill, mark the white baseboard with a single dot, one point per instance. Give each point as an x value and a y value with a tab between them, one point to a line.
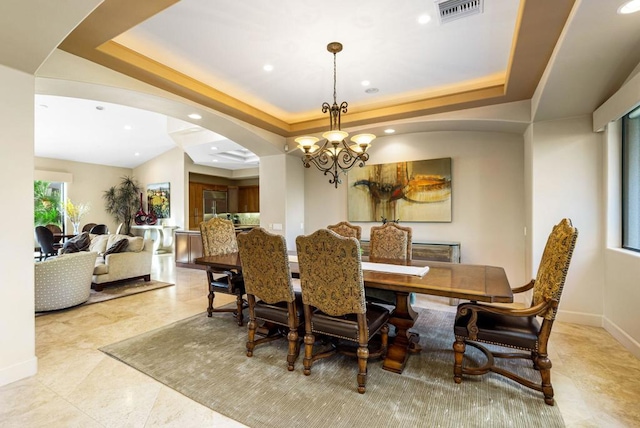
621	336
19	371
582	318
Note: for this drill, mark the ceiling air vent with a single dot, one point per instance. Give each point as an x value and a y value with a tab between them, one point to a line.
450	10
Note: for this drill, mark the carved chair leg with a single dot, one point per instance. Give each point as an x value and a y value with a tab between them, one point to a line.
251	336
544	365
309	340
294	349
210	307
459	347
240	304
363	356
384	339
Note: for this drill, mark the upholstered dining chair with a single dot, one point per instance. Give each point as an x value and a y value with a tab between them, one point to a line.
87	227
333	299
344	228
519	328
45	238
267	281
393	242
219	237
99	229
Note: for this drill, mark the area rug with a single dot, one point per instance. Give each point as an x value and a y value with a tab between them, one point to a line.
204	359
124	289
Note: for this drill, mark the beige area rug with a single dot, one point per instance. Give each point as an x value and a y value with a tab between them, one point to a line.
204	359
117	291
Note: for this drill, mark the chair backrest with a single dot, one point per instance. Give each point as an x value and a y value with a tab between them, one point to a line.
391	241
87	227
554	265
54	228
265	266
218	237
331	273
344	228
45	239
99	229
119	229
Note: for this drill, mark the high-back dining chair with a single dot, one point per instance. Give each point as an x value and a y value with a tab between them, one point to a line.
519	328
99	229
344	228
267	277
333	298
219	237
45	238
87	227
393	242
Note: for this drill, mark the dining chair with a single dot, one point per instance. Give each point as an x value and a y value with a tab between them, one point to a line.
99	229
517	328
56	230
344	228
219	237
87	227
333	300
45	238
268	284
392	242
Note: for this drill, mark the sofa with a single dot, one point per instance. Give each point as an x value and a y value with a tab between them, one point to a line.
132	262
63	281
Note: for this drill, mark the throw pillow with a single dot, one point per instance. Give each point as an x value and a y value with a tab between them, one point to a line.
78	243
118	247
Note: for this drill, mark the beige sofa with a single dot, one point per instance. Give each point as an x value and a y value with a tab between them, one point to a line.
134	262
63	281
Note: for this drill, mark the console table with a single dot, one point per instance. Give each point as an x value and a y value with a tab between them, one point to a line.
162	236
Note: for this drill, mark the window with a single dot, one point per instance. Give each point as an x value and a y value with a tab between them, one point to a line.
631	180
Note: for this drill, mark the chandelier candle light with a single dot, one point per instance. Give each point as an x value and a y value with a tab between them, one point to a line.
335	155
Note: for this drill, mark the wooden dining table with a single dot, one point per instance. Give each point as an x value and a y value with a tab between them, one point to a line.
455	280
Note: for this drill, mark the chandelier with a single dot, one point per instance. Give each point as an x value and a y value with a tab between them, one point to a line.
335	155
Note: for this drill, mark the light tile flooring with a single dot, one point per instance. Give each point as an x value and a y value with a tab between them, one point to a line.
596	381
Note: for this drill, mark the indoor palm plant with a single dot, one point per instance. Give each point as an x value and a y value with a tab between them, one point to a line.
46	204
121	202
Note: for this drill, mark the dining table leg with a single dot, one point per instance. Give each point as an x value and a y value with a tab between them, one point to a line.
405	342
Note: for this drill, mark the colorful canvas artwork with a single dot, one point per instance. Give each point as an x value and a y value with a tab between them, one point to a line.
416	191
159	200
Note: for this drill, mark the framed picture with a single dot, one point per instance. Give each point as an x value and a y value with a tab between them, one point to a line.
159	199
417	191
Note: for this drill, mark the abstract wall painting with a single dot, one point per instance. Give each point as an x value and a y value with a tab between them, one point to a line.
415	191
159	199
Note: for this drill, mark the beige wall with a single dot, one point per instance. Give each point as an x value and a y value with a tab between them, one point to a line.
17	327
488	202
89	182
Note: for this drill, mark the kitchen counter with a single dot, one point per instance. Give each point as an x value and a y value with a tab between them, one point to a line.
188	245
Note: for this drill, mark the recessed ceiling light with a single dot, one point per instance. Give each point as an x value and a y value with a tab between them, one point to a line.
389	131
423	19
99	108
629	7
195	116
214	148
267	67
136	154
44	106
214	160
371	90
365	83
127	127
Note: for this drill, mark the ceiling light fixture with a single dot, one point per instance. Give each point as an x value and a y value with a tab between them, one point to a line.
268	67
195	116
389	131
629	7
335	155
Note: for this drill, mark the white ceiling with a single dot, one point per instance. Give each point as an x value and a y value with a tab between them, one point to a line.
225	44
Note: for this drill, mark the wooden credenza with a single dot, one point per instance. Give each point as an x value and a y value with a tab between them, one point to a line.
188	245
435	251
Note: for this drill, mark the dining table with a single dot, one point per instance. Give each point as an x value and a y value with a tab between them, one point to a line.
454	280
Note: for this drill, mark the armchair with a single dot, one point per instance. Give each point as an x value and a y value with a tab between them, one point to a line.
519	328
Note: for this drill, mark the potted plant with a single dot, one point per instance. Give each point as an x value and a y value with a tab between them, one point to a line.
121	202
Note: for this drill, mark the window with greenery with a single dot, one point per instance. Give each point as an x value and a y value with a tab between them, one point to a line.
47	203
631	180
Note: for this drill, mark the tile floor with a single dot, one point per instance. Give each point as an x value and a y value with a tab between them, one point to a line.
596	381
